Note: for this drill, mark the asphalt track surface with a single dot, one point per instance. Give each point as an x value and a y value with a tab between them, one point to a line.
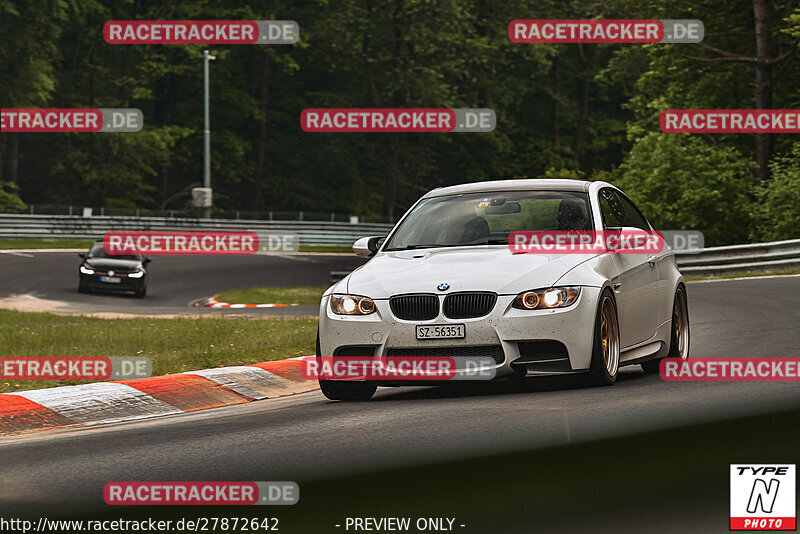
307	438
174	282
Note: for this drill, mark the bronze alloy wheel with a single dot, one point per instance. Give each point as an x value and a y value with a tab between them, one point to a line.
680	325
609	335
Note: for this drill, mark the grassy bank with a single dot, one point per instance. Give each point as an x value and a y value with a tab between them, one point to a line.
304	295
174	345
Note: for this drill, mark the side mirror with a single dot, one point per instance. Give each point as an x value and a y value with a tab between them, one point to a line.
366	247
146	261
82	254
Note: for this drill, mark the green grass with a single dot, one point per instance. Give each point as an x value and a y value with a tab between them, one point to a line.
325	248
273	295
742	274
174	345
43	243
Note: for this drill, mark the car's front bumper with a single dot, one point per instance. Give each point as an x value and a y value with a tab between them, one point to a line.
92	281
529	338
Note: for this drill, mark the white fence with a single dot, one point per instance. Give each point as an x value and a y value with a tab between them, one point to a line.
74	227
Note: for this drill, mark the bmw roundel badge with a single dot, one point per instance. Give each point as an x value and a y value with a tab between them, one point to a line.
443	287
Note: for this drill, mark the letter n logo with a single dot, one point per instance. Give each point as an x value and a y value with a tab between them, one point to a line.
763	496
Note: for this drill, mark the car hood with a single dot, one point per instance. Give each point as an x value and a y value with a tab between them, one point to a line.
105	264
463	269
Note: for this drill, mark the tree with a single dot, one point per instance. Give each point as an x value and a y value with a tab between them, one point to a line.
682	182
778	200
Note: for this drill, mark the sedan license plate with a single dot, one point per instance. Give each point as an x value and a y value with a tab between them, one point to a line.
111	279
441	331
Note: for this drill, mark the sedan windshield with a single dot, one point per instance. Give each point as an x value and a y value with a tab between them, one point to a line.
487	218
97	251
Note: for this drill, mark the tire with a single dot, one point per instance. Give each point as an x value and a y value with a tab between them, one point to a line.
82	288
606	345
517	383
141	293
679	332
343	390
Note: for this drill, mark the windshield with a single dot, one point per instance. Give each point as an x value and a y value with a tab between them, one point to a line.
487	218
97	251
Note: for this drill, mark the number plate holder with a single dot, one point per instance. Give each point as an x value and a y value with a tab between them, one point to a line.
441	331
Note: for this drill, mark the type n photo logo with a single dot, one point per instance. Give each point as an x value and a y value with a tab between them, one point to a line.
763	497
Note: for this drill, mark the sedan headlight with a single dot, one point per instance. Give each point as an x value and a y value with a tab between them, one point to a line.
137	274
86	270
553	297
352	305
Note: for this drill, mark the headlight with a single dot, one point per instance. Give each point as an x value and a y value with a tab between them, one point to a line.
553	297
86	270
137	274
352	305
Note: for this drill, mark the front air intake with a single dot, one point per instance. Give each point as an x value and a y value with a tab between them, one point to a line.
421	307
469	305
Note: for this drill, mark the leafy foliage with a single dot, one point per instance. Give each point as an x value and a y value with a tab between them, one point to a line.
778	205
681	181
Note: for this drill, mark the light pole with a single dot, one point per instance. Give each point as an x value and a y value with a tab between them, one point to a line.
206	132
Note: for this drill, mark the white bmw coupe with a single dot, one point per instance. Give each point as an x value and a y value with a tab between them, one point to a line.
445	282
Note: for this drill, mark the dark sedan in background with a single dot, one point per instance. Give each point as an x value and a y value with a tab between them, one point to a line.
103	271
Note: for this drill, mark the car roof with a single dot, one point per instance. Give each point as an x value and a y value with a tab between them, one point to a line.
512	185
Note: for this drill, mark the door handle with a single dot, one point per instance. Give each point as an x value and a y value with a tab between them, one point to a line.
651	261
617	285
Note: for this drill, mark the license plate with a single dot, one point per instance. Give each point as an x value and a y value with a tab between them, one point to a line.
441	331
111	279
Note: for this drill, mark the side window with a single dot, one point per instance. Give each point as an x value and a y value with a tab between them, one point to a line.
611	208
634	215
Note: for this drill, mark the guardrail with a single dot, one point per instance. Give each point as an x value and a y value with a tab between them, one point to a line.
312	233
713	260
733	258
